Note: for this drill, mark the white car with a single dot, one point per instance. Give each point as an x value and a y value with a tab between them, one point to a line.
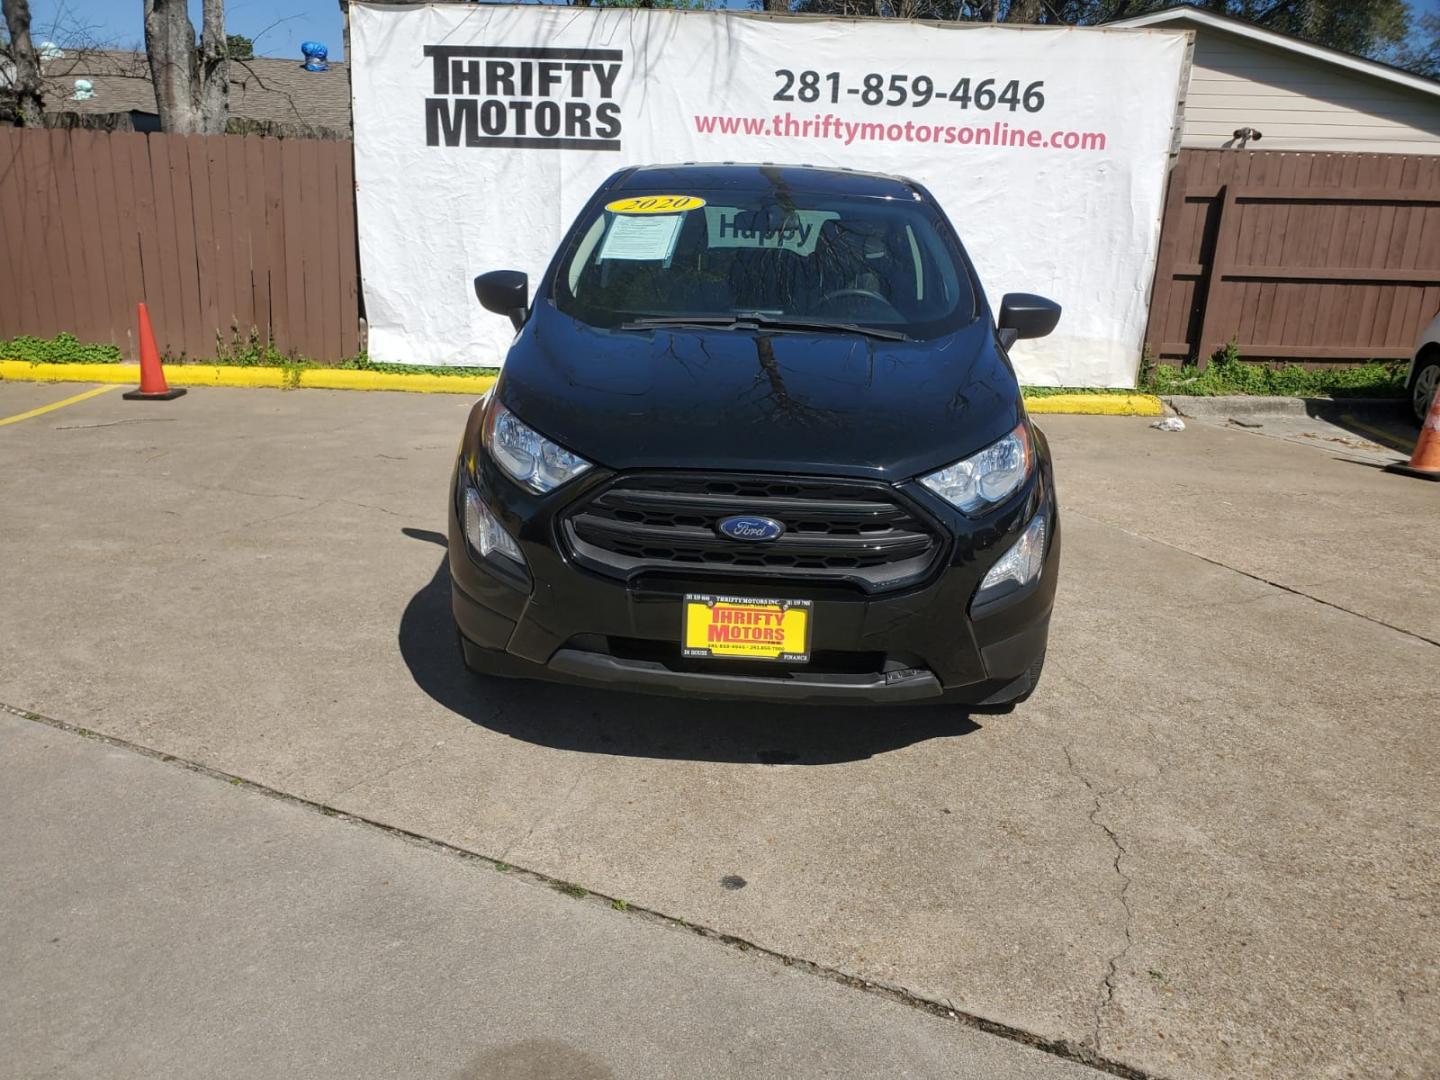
1425	370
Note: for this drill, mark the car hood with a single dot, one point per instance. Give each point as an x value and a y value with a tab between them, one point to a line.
766	401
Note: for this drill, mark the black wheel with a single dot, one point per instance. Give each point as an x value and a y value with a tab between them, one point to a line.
1424	383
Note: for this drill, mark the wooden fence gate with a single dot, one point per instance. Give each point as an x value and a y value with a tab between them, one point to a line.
1311	258
216	233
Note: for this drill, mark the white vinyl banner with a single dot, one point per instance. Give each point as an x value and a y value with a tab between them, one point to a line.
481	130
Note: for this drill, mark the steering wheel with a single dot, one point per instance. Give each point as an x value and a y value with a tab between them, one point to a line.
869	294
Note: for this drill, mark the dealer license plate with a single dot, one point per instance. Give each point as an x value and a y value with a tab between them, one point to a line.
739	628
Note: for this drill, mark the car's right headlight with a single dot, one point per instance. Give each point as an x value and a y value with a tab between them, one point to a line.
987	477
528	457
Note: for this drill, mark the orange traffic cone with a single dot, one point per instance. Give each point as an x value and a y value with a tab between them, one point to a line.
1425	461
152	374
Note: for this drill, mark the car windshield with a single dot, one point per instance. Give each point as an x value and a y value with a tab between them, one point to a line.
775	258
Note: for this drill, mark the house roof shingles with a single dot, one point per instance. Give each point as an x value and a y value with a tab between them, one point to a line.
264	89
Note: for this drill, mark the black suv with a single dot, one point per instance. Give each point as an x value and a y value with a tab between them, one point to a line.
758	437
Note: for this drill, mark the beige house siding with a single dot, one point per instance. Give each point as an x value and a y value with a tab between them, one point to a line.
1300	104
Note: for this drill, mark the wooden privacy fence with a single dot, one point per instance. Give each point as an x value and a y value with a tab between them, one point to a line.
1313	258
214	232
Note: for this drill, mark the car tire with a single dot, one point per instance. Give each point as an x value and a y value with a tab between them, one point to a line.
1424	383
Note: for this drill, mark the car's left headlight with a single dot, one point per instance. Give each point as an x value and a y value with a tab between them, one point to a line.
528	457
987	477
1019	566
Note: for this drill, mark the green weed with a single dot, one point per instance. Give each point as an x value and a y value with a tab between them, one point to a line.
248	349
61	349
1228	374
1053	391
243	348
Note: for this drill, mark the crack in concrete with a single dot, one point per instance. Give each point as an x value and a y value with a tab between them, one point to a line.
945	1009
317	501
308	502
117	423
371	778
305	508
368	506
1255	577
1112	964
549	813
257	494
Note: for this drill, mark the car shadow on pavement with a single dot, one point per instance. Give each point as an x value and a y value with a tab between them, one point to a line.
634	725
1388	425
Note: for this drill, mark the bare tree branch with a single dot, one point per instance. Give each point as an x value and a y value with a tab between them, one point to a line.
214	75
28	105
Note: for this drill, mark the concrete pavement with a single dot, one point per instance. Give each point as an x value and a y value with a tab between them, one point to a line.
1206	847
164	923
1368	430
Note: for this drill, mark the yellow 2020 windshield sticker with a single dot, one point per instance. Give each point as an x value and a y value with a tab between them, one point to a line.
655	204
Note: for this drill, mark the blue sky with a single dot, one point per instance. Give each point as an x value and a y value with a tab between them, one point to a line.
278	25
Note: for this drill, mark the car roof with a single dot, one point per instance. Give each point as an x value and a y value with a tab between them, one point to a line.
760	177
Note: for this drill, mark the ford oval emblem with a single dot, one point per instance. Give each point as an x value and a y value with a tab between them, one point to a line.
751	528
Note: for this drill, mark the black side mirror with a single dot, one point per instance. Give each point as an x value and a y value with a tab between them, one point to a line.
505	292
1025	315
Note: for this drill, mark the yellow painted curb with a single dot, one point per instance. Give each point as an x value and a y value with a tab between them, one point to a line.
1117	404
1120	403
268	377
340	379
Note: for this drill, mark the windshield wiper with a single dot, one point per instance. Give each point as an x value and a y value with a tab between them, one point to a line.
755	320
823	326
645	322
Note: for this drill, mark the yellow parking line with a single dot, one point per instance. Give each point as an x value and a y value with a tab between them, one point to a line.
1379	435
57	405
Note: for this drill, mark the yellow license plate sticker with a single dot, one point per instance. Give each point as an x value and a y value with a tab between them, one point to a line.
739	628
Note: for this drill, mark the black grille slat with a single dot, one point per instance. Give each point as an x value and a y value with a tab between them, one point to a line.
889	545
726	505
860	532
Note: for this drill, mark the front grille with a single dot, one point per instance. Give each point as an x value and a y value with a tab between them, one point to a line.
835	530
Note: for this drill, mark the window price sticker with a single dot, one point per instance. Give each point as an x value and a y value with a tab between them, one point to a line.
641	238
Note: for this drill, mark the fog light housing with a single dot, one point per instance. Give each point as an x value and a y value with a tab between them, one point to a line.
485	534
1018	567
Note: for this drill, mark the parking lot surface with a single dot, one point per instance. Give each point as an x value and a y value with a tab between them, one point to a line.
209	931
1207	846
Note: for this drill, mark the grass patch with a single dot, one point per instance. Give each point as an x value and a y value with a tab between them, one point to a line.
1056	391
241	350
61	349
364	363
1228	374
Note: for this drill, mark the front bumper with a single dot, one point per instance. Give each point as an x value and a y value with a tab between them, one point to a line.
566	623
